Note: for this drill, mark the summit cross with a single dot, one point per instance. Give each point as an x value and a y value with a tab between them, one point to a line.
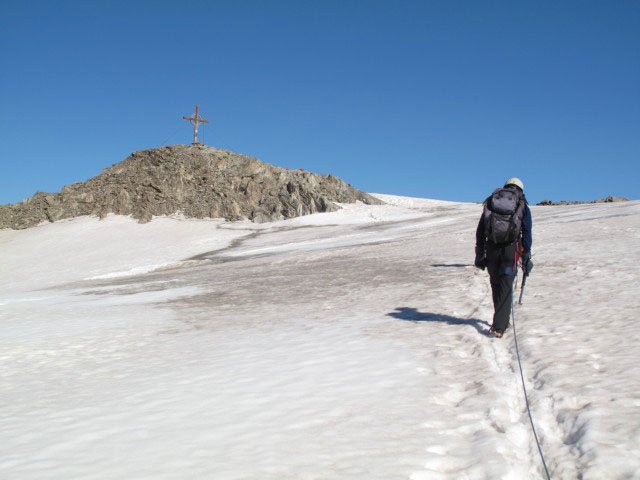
195	120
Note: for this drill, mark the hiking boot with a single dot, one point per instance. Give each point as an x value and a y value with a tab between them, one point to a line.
499	334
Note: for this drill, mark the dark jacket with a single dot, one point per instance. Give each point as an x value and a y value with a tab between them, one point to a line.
527	238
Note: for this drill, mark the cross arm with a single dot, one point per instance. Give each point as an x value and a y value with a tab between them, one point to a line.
196	119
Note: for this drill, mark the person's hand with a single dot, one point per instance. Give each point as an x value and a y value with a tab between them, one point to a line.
527	264
480	262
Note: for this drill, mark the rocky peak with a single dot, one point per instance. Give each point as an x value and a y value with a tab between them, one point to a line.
195	180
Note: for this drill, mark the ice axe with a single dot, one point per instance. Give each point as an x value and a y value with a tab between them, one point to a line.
526	270
524	281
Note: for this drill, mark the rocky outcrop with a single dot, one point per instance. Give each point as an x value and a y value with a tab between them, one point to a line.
603	200
195	180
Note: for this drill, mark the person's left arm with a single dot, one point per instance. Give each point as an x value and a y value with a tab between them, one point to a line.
527	224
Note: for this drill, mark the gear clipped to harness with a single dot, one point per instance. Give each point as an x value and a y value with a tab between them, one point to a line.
503	212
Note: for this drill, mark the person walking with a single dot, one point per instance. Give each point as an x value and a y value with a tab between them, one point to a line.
503	235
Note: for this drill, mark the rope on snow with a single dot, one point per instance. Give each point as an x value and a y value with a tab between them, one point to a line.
524	389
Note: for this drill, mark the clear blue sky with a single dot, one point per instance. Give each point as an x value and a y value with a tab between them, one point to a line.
435	99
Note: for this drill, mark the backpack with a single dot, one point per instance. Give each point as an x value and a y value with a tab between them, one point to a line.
503	214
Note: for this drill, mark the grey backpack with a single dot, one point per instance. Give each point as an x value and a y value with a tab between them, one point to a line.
503	214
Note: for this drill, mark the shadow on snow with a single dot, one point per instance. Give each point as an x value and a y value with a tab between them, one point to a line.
413	315
451	265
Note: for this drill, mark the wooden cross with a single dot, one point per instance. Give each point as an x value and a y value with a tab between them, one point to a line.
195	120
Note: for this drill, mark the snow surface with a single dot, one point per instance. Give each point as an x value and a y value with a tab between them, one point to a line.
346	345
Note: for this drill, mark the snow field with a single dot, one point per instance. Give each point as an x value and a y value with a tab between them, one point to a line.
342	345
85	247
582	346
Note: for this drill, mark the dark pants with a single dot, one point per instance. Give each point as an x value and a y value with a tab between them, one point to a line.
502	272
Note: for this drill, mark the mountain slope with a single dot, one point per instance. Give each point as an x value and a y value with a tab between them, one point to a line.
346	345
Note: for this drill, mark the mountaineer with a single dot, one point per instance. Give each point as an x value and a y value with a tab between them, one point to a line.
503	236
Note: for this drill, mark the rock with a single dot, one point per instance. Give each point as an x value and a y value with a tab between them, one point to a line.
610	199
194	180
603	200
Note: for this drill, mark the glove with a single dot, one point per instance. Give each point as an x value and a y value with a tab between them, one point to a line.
527	264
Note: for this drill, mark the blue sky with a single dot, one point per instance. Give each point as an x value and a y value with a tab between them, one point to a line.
434	99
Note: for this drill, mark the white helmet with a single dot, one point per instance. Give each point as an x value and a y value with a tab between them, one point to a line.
515	181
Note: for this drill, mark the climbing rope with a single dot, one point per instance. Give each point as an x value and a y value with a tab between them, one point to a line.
524	388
